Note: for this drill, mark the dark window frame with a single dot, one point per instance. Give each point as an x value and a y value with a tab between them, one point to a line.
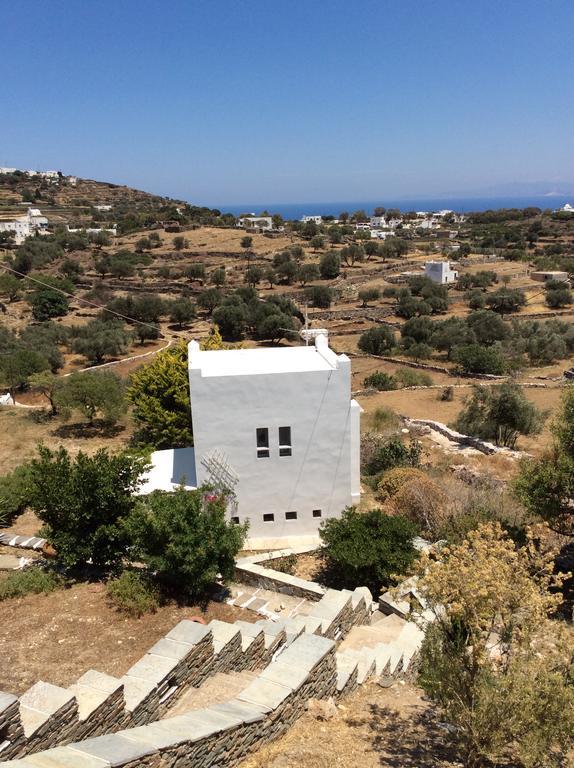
285	441
262	442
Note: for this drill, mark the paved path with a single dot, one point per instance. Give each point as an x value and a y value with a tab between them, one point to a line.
271	605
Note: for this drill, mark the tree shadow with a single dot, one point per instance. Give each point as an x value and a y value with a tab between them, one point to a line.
416	741
85	431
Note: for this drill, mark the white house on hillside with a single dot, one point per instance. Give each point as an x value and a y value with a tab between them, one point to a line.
280	427
440	272
25	226
256	222
314	219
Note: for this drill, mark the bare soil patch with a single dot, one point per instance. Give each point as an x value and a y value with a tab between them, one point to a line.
21	435
59	636
374	728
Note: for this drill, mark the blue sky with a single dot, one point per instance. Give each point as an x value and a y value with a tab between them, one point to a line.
299	100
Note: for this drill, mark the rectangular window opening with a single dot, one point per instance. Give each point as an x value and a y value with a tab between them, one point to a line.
285	441
317	513
269	518
262	434
290	515
235	520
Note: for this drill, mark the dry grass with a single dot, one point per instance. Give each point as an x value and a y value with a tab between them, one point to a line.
58	636
374	728
21	435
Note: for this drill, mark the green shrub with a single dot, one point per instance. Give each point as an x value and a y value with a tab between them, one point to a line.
476	358
31	581
13	494
83	502
133	593
446	394
186	540
499	413
380	380
394	453
377	341
410	377
367	549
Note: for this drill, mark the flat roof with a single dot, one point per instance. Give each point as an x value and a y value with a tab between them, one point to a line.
247	362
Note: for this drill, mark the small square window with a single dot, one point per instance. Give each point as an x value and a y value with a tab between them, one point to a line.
235	520
290	515
285	441
317	513
262	435
269	518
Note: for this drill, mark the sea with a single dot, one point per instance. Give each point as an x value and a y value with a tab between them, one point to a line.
457	204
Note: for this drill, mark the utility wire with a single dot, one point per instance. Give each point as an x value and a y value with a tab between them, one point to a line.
78	298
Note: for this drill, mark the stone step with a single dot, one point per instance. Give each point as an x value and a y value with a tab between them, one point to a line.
45	709
345	668
364	659
215	690
396	657
92	690
223	634
253	630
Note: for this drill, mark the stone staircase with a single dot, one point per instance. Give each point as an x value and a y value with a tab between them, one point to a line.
208	695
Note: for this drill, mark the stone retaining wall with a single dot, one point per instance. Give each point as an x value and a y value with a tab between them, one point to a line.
98	704
221	735
250	570
469	440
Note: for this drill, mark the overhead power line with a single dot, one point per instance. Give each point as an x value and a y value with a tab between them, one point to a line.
78	298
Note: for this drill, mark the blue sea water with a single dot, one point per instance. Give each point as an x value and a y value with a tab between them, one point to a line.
457	204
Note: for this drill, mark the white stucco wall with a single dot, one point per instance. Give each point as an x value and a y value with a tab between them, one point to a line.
440	272
314	399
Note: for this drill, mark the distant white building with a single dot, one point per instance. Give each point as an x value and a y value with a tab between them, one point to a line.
103	207
440	272
377	221
25	226
94	230
256	222
279	426
314	219
543	276
427	224
8	170
566	208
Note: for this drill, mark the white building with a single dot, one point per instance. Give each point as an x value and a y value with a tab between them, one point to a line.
25	226
440	272
377	221
315	219
94	230
279	426
103	207
566	208
256	222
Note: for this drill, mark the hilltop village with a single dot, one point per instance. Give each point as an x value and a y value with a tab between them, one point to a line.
256	475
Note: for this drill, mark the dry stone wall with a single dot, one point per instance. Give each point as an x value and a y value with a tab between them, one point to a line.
98	706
